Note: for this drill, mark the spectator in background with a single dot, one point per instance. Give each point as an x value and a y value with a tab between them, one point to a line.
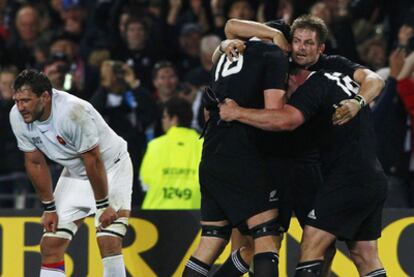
374	53
12	159
166	83
3	35
405	88
241	9
341	39
67	44
136	50
199	78
74	17
126	106
393	135
58	70
223	10
196	13
21	45
188	56
169	171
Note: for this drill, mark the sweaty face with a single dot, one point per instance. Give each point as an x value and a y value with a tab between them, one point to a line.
305	47
30	106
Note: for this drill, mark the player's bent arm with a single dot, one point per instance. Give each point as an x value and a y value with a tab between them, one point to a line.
272	118
245	29
371	83
39	174
286	119
96	172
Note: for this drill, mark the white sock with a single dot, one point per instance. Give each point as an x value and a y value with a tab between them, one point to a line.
114	266
53	270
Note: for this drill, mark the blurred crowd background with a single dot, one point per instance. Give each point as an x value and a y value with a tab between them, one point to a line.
130	57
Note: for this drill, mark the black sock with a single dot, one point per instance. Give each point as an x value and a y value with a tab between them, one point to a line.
195	268
309	269
233	267
266	264
377	273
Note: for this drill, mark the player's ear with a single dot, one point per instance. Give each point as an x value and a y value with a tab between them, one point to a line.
321	48
45	95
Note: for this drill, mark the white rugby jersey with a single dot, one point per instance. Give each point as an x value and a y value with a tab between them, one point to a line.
74	127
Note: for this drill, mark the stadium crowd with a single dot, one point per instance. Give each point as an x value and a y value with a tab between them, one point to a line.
128	58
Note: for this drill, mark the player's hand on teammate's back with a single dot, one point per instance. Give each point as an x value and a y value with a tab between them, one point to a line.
49	221
108	216
347	110
229	110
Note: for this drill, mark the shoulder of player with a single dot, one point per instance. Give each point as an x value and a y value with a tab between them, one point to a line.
333	61
316	76
13	112
69	105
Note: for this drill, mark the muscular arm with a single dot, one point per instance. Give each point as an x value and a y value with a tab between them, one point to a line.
371	83
274	117
245	29
285	119
96	172
39	174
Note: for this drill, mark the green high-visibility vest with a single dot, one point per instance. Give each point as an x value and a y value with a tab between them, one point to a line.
169	170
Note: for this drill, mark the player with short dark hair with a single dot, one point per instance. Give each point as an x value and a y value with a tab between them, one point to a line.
235	183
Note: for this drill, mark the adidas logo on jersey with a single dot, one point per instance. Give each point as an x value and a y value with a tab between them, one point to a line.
311	214
273	196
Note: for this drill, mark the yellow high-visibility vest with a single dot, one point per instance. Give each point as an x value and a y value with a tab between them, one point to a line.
169	170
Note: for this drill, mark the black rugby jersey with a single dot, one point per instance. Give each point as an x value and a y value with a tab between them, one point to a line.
262	66
302	139
349	148
335	63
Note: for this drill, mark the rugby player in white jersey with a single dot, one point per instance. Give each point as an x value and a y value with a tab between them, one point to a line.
97	174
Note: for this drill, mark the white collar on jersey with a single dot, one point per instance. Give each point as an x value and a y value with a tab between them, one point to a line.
310	74
254	39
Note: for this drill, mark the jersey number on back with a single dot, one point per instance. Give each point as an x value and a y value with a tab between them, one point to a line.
229	68
345	82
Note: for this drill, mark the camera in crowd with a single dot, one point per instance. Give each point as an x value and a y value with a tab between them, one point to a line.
118	69
61	71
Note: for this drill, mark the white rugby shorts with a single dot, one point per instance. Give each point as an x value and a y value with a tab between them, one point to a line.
74	197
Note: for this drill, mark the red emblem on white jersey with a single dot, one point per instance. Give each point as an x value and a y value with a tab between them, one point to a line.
60	140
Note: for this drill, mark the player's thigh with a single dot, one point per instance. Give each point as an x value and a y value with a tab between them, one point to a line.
120	179
262	217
